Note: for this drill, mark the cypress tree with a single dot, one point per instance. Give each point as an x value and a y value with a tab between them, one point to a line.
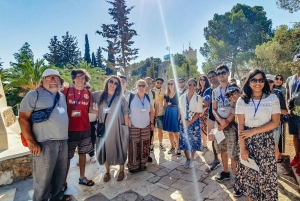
87	56
99	58
94	62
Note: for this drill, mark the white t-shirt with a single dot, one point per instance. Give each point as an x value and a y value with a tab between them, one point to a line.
195	106
224	108
267	107
139	115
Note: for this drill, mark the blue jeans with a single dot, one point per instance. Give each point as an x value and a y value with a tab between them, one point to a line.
49	170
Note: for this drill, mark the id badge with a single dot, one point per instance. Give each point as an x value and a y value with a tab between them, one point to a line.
76	113
61	110
169	103
106	110
253	122
143	110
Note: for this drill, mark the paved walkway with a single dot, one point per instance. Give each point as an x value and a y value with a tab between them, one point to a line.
165	179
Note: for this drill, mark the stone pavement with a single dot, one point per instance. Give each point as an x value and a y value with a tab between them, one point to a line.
165	179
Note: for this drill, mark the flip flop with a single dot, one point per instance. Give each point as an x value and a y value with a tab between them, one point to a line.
121	176
88	183
106	177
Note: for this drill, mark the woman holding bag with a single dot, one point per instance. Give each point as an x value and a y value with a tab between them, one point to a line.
141	123
113	112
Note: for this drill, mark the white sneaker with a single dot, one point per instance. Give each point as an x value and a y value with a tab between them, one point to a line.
187	163
161	147
171	151
191	164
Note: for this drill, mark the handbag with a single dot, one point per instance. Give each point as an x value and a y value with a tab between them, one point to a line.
101	126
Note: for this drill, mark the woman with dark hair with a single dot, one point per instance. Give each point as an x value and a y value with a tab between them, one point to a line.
278	82
113	109
170	123
258	113
203	84
190	126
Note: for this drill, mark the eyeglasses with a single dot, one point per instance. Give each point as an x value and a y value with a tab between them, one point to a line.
260	80
112	82
49	78
221	73
142	86
270	81
277	78
170	84
192	85
158	82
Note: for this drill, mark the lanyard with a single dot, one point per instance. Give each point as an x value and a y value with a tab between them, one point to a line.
297	82
256	108
77	101
222	97
143	102
56	99
187	108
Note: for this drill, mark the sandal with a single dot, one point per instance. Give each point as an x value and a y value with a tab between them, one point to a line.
66	198
88	183
106	177
64	187
121	176
279	160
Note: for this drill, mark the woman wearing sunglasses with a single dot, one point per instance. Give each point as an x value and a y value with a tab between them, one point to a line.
190	105
112	147
203	84
278	82
170	123
258	113
141	123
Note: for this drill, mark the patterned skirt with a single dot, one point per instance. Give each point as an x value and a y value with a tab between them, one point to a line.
190	138
138	150
203	119
262	185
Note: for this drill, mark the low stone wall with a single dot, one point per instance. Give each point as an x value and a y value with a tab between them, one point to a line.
16	169
9	117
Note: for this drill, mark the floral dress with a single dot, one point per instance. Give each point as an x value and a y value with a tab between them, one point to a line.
190	138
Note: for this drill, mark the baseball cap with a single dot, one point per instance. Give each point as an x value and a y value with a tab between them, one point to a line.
270	77
48	72
181	78
159	78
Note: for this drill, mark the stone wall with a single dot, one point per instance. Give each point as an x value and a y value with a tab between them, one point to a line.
16	169
9	117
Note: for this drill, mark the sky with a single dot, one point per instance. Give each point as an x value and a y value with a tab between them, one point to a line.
159	23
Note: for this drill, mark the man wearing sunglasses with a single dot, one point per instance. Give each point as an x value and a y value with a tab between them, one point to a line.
181	86
293	101
159	111
214	82
222	110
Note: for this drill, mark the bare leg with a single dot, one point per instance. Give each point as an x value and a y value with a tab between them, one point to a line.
276	152
82	162
107	167
121	168
193	154
171	137
249	199
176	139
233	164
214	150
296	145
68	166
224	158
160	135
204	139
187	155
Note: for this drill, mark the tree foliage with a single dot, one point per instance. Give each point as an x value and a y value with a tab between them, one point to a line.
178	59
146	68
233	36
290	5
24	53
187	70
110	62
99	59
87	56
94	62
119	36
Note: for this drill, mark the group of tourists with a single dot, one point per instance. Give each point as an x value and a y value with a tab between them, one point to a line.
115	125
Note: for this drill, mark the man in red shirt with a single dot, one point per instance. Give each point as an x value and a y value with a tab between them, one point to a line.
79	104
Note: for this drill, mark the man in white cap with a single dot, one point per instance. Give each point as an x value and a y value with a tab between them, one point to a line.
47	140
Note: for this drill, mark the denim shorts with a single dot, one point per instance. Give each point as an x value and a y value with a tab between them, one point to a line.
160	122
294	125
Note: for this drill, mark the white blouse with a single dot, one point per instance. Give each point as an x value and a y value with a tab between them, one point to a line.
267	107
195	106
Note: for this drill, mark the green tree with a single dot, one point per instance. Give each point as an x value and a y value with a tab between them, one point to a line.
110	62
238	31
99	59
1	64
120	35
187	70
290	5
178	59
94	62
87	56
147	67
24	53
55	56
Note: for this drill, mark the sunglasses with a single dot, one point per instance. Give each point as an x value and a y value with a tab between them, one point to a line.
192	85
228	95
112	82
141	86
277	78
211	77
270	81
181	82
202	80
260	80
49	78
170	84
221	73
158	82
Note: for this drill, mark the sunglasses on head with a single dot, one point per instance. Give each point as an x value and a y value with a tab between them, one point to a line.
142	86
112	82
260	80
221	73
158	82
270	81
192	85
277	78
228	95
170	84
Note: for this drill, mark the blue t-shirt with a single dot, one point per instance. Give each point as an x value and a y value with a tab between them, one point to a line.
209	91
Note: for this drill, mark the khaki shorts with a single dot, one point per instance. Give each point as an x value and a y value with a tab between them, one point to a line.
229	144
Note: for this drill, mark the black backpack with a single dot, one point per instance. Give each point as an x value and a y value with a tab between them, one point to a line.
131	97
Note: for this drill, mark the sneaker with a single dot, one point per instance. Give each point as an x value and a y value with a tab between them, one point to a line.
93	159
149	159
191	165
151	148
237	194
223	176
187	163
295	161
171	151
162	148
215	164
178	153
204	148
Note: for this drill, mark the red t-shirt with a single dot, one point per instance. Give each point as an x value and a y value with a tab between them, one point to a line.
78	115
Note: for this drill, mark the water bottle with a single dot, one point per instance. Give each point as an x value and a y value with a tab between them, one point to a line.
207	98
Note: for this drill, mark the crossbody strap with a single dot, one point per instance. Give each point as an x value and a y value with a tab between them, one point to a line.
109	106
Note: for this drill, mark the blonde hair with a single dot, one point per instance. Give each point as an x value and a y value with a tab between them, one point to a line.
168	92
141	81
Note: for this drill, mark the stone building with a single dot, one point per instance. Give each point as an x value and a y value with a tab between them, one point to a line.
190	53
